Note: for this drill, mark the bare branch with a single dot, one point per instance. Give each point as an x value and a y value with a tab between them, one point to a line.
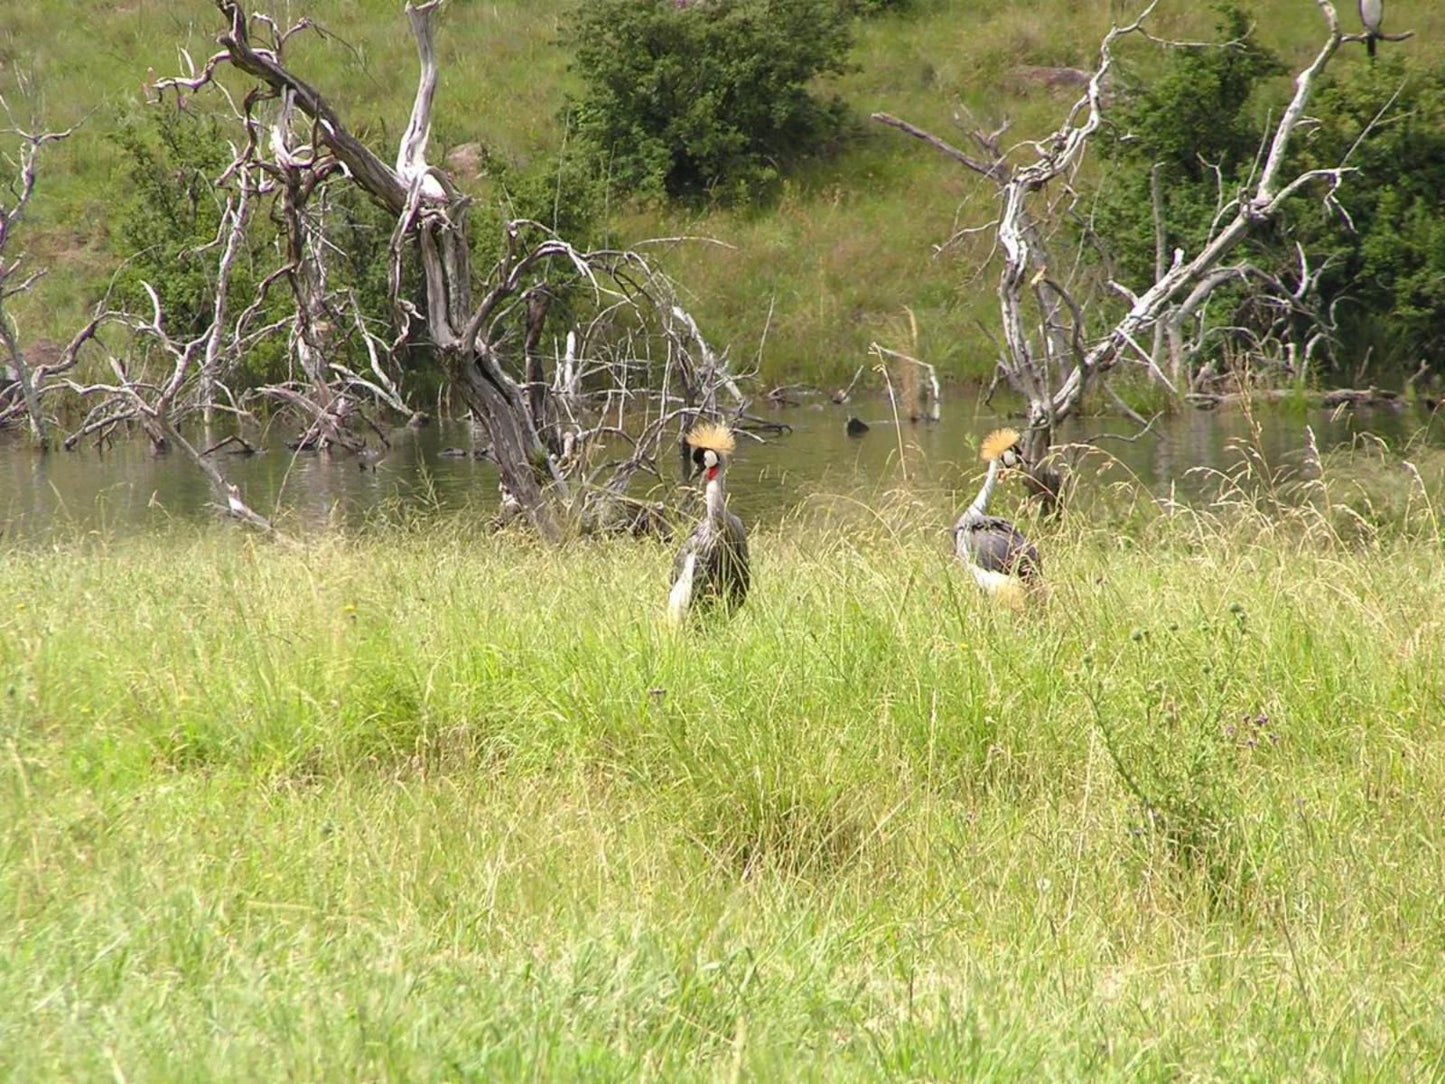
994	170
411	164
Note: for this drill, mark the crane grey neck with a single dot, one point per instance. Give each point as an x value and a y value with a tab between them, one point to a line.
980	503
716	501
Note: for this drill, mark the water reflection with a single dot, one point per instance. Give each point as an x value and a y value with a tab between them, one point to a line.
127	488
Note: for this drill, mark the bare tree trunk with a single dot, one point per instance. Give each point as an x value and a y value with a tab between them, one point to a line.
39	430
1161	264
535	376
233	227
21	190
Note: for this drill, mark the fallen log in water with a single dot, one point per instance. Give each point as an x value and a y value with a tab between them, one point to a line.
1355	397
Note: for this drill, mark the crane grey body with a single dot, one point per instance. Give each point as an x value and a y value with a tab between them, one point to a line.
1372	16
995	551
994	547
712	565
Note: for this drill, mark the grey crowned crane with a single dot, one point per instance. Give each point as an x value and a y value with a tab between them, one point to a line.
712	565
1372	15
1002	560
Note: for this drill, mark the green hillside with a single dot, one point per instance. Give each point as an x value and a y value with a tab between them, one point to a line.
844	247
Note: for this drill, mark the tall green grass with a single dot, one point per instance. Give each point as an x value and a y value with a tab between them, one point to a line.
422	803
811	279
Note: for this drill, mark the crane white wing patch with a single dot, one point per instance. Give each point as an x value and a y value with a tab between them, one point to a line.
680	597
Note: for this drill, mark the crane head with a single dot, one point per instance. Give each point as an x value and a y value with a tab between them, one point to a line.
1002	445
711	446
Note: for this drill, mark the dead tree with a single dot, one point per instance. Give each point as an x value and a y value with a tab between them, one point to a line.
18	387
635	368
300	175
470	322
1051	354
156	402
278	168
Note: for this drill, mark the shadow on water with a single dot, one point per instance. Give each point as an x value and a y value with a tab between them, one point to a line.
127	488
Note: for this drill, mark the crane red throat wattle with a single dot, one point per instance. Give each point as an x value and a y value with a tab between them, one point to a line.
711	473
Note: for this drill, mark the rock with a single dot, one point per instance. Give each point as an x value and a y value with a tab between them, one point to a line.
1027	78
465	160
857	427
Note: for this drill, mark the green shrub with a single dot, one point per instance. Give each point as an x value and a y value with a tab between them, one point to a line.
171	210
875	7
1389	270
563	191
707	97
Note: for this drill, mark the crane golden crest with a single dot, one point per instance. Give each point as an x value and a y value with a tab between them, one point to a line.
711	436
996	443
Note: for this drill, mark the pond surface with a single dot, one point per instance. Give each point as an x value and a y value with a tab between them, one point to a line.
127	488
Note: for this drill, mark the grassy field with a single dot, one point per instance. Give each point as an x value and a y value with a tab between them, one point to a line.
419	804
845	247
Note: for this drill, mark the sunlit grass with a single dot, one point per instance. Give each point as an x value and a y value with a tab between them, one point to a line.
424	803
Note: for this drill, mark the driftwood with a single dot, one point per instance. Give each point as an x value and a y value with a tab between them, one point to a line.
1354	397
238	444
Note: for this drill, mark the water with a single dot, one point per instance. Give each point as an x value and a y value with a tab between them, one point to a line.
127	488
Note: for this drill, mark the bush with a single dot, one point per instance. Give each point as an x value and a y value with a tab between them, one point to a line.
170	211
875	7
561	190
1390	268
709	96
